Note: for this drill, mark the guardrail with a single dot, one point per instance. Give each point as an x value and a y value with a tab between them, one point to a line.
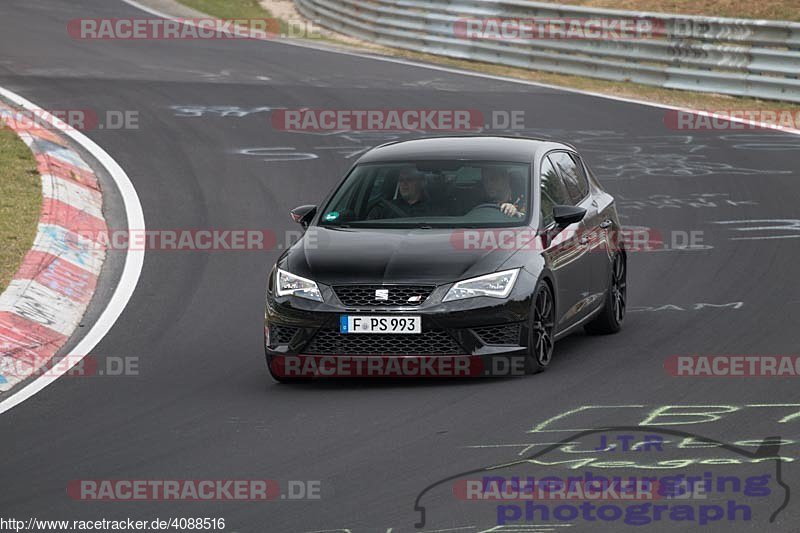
742	57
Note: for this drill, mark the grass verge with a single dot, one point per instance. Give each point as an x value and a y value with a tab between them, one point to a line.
762	9
20	203
228	9
636	91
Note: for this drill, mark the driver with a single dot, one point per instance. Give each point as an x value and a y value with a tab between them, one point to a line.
412	199
497	186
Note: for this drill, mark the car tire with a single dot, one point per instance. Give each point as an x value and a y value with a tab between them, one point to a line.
542	327
610	318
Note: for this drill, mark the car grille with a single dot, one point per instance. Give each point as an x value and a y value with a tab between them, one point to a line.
399	295
502	334
281	334
433	342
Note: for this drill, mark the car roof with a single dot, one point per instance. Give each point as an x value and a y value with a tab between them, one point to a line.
472	147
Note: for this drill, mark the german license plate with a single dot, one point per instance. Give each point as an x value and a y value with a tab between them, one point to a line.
380	324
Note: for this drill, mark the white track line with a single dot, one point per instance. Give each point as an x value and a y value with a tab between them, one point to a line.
407	62
134	259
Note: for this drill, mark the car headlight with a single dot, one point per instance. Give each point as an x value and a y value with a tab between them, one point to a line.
495	285
287	284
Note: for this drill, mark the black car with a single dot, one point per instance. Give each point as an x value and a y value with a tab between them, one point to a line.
446	248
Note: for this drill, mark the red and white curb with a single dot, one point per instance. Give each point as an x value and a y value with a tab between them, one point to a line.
49	294
45	302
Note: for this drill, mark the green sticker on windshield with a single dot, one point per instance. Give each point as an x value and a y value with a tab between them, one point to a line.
333	215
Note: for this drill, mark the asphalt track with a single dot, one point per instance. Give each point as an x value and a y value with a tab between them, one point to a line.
202	406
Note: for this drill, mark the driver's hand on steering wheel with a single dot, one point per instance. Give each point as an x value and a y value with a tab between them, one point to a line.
510	210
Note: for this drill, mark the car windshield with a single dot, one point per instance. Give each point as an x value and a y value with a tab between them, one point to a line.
450	194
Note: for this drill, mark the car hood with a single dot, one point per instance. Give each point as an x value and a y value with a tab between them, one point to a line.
342	255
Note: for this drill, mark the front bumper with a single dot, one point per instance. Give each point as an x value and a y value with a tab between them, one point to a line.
475	336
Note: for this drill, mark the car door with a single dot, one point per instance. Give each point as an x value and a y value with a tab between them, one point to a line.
593	263
599	224
562	250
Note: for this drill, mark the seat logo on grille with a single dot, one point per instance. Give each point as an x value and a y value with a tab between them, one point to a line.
381	294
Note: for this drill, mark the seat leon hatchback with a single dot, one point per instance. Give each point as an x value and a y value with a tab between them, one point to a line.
447	255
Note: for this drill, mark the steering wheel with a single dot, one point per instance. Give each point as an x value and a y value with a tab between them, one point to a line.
486	206
387	204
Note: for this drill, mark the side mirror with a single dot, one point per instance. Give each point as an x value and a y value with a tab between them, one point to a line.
303	214
565	215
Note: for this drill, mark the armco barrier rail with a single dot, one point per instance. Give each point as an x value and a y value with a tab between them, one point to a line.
756	58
